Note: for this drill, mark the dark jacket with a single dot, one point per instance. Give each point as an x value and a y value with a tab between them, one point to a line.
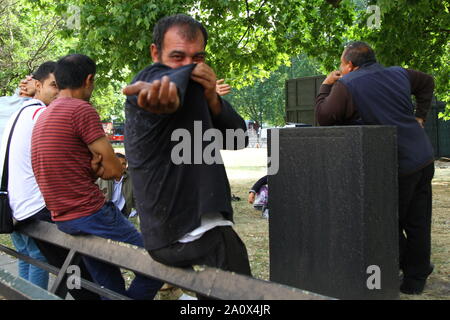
107	187
374	95
171	198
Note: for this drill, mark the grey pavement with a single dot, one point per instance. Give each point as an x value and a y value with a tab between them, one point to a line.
9	264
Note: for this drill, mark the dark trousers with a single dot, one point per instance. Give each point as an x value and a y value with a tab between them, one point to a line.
57	255
219	248
415	209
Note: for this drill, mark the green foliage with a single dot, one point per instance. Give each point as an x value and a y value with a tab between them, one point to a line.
414	34
28	37
109	102
249	39
264	101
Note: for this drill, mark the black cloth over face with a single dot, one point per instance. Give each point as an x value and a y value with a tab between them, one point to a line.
171	198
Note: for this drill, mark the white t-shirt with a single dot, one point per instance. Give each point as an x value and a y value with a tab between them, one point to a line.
25	198
117	196
209	222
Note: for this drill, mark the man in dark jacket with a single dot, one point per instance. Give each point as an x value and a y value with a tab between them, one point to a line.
184	206
365	93
119	191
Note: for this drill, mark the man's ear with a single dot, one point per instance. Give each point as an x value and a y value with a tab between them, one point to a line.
154	53
89	80
352	66
38	85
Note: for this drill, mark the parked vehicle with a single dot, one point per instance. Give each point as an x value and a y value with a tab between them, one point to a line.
114	132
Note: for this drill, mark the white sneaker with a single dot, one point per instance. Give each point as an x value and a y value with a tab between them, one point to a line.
187	297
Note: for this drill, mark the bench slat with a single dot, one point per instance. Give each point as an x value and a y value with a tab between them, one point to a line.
207	281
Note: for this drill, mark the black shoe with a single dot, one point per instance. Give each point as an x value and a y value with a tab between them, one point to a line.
412	286
234	198
415	286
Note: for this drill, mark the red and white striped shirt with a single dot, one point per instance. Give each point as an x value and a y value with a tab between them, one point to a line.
61	158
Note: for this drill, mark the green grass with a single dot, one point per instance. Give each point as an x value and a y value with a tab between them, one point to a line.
254	232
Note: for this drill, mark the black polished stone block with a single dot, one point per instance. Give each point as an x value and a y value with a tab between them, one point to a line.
334	211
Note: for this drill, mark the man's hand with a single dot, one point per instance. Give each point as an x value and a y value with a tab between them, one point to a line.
24	85
206	76
104	161
333	77
222	88
159	97
251	198
96	165
421	122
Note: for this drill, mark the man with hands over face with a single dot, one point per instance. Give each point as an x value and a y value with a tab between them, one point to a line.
185	209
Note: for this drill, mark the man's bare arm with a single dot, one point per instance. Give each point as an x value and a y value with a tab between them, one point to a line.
110	167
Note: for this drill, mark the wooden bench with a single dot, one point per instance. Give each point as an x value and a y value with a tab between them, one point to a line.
210	282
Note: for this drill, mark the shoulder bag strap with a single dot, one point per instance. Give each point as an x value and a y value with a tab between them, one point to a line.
4	185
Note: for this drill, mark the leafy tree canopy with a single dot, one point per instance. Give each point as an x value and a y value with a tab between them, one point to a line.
249	39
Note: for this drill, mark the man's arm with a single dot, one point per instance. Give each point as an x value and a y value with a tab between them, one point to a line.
222	88
110	166
422	87
334	105
258	185
158	97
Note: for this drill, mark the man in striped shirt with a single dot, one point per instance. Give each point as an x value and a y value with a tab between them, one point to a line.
66	139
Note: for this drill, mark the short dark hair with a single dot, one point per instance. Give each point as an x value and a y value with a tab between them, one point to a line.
43	72
121	156
72	70
359	53
191	26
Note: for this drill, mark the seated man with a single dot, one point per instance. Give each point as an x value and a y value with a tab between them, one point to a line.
185	208
259	196
64	139
120	191
25	198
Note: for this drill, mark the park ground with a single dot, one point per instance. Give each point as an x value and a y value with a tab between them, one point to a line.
245	167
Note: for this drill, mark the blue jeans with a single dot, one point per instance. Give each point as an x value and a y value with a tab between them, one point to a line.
110	223
26	246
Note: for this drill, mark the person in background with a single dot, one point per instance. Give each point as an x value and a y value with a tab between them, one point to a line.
120	191
363	92
259	196
222	88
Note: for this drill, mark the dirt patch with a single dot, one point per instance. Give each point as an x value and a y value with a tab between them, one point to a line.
254	231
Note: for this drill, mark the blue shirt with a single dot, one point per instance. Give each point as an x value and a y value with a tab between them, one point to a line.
8	106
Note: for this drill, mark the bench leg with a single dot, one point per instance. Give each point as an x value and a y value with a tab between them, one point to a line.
59	288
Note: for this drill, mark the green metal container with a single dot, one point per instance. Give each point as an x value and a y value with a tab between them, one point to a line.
301	96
